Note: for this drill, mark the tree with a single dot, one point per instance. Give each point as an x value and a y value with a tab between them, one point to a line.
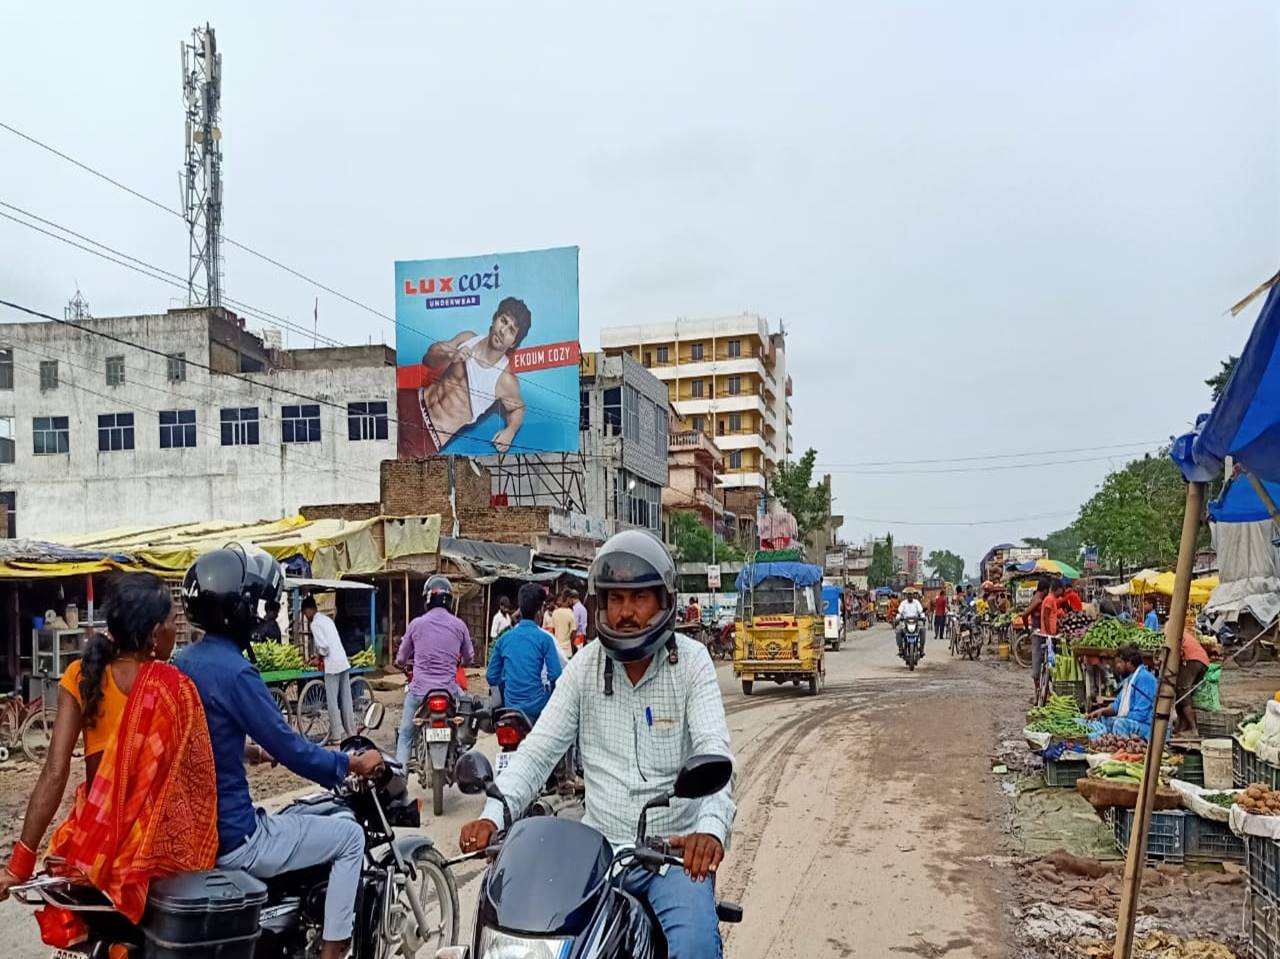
881	570
1135	517
691	542
809	504
1218	382
1064	544
946	565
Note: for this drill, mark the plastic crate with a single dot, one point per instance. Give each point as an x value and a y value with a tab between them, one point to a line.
1076	690
1262	858
1262	925
1218	723
1207	840
1165	842
1065	772
1192	770
1238	764
1258	771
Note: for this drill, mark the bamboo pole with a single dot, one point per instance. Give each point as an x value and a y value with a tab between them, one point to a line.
1137	856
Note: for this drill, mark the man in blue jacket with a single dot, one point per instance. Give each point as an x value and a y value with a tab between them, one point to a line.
525	662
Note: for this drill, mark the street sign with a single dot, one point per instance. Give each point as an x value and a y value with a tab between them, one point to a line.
713	577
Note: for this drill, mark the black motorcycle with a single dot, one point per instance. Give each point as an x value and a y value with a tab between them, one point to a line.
912	641
406	903
554	888
445	727
969	638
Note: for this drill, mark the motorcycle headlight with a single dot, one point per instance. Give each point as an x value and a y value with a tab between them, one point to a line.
502	945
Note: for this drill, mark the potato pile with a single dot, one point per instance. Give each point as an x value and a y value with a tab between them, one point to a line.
1259	800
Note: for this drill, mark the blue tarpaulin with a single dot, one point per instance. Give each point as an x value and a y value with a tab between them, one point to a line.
1245	422
802	574
1239	502
831	600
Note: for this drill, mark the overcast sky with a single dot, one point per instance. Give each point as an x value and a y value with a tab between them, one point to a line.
989	227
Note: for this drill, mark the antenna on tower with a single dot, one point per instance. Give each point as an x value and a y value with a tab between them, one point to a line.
202	169
77	307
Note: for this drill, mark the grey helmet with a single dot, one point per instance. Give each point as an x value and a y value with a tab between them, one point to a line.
438	591
633	559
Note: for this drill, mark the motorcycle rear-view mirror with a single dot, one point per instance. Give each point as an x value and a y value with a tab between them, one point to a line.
473	773
373	715
702	776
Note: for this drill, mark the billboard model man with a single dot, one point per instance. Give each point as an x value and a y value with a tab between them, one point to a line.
473	377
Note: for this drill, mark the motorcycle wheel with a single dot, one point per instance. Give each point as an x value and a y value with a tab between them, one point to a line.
437	791
437	894
1249	654
422	761
747	686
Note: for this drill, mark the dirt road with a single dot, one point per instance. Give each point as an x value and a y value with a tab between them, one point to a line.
867	816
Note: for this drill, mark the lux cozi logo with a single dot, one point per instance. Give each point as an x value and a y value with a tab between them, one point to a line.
463	283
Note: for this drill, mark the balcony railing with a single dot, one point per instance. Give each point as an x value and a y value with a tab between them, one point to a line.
693	440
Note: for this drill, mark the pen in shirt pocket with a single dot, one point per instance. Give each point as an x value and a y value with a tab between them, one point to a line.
648	716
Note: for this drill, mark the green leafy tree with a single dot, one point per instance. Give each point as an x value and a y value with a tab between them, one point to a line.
1135	517
1064	544
794	487
881	571
691	542
1218	382
945	564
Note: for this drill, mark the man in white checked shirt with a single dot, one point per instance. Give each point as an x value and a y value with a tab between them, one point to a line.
639	702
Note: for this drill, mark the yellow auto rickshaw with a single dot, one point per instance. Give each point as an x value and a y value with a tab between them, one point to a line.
779	634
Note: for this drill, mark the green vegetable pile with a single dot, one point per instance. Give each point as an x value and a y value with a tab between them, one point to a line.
1225	800
1115	633
363	658
1058	717
278	657
1117	771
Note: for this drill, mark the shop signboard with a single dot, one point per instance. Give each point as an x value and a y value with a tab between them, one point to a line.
713	576
487	354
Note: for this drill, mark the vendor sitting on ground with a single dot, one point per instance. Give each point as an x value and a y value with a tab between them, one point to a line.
1130	713
1195	663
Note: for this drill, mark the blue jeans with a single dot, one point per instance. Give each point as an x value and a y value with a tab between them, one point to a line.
686	910
404	742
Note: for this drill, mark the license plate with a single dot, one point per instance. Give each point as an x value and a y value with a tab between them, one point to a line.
67	954
434	735
503	760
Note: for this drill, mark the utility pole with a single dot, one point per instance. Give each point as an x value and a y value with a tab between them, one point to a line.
202	166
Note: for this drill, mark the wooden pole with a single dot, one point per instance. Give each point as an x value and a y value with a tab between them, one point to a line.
1173	628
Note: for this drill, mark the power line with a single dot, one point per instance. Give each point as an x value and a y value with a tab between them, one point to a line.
236	243
990	456
972	469
979	522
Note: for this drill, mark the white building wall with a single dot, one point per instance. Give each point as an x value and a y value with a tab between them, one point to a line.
85	490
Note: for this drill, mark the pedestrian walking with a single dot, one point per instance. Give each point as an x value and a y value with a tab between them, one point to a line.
337	671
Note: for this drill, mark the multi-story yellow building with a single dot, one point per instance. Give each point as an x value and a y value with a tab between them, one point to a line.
726	377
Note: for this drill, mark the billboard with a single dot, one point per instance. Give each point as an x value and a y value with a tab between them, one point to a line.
487	354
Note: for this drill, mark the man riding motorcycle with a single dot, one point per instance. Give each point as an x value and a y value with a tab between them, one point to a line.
434	645
909	608
636	725
525	663
221	594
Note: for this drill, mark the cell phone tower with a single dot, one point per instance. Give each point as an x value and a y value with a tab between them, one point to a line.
202	170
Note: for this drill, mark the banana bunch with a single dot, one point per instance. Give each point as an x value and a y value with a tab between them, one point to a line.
363	658
278	657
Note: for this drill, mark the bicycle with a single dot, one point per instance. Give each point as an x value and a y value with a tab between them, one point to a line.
25	725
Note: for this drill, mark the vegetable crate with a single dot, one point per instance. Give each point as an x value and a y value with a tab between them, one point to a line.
1262	859
1218	723
1075	690
1262	917
1165	842
1254	770
1238	762
1192	770
1064	772
1207	840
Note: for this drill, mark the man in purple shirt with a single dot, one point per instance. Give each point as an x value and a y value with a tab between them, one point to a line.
436	643
579	614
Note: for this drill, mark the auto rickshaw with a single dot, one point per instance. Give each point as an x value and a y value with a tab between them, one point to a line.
780	630
832	617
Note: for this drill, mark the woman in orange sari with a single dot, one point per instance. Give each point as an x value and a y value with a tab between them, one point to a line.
147	805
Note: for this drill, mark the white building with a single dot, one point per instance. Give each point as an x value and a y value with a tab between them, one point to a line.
181	417
726	377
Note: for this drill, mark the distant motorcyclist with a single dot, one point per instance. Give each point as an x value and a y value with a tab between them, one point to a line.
641	701
525	663
909	608
434	646
221	593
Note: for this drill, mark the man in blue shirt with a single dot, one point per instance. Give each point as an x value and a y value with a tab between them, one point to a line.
523	656
1150	620
1132	711
221	594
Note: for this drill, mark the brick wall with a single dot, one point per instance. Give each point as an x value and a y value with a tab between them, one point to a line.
508	524
421	487
351	512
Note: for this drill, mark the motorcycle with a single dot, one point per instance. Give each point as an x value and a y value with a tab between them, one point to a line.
445	727
512	727
969	639
572	902
912	641
407	900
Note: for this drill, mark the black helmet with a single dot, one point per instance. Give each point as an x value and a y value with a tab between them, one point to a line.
223	587
438	591
633	559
